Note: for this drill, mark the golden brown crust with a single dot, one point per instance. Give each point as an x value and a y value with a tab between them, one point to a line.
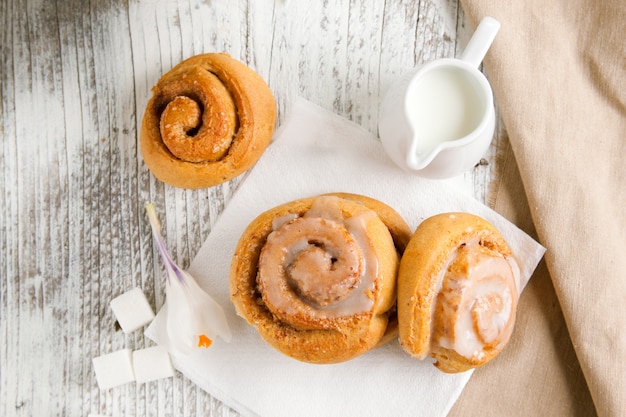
210	119
422	269
336	339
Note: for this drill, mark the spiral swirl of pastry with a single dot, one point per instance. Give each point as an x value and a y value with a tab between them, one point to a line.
210	118
310	265
317	276
458	288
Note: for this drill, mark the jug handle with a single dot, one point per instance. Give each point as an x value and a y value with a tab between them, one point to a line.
481	40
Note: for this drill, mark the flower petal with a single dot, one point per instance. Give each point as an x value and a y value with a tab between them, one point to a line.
194	318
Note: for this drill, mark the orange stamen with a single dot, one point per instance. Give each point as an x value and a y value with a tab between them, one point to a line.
204	341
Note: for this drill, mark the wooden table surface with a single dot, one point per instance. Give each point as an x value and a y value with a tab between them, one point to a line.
75	79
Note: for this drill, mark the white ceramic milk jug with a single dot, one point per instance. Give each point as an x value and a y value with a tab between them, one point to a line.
438	120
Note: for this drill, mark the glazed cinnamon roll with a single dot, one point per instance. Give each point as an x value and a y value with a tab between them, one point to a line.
458	287
210	119
317	276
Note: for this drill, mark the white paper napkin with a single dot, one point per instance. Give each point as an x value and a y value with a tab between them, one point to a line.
317	152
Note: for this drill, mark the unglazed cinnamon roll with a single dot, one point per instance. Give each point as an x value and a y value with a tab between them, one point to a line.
317	276
210	119
458	287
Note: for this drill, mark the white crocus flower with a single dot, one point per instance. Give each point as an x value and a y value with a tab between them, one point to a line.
193	318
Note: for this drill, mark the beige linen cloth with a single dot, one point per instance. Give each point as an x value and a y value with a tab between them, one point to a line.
558	71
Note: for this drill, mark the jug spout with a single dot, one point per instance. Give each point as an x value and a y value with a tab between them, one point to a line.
418	158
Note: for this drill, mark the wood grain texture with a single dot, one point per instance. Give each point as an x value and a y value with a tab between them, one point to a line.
75	78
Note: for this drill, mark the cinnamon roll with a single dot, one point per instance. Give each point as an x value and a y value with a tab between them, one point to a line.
317	276
458	287
210	119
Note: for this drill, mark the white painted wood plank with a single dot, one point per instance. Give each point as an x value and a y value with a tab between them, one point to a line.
362	71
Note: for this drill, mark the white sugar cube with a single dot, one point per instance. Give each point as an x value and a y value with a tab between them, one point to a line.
114	368
152	363
132	310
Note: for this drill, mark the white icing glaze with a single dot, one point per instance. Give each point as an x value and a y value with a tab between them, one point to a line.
476	303
320	265
280	220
